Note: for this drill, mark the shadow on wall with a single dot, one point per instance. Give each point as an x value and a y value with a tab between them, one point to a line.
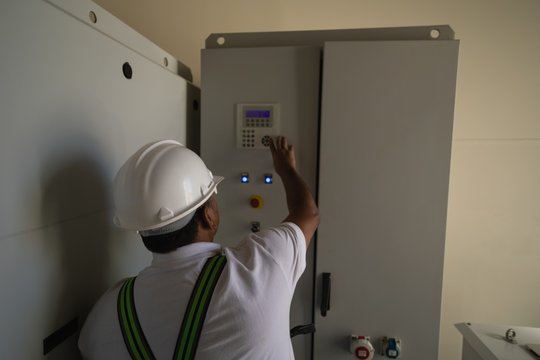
76	205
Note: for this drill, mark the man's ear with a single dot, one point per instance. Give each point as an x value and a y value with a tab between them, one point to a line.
209	219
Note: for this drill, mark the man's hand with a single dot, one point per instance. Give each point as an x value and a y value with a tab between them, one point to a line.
302	208
282	154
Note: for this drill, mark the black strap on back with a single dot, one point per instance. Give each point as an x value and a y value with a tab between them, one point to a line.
190	331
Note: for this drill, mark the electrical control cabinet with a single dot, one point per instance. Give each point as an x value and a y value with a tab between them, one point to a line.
371	122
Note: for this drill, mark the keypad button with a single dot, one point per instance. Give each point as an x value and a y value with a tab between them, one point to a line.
266	140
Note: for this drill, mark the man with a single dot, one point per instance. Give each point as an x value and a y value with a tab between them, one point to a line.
166	193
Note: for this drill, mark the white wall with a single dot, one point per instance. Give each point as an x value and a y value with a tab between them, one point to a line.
493	238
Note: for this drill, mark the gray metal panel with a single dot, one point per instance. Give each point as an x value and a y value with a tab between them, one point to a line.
69	119
98	18
468	353
319	37
64	89
386	132
288	76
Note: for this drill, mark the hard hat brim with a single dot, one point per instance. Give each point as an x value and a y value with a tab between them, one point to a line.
216	180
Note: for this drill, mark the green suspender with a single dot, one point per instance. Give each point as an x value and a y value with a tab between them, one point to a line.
129	323
188	338
191	328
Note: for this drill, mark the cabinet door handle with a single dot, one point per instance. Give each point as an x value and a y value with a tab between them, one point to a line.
326	290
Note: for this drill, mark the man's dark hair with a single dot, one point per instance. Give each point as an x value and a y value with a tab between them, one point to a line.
166	243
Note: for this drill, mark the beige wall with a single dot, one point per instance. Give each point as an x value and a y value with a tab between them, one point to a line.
492	259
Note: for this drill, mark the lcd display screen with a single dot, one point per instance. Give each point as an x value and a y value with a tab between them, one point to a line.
258	114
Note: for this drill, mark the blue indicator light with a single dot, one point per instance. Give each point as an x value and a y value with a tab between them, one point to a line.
268	179
244	178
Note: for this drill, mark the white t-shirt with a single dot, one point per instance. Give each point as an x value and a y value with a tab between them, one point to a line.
248	317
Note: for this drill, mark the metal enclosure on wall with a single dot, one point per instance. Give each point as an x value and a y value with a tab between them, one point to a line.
386	128
70	118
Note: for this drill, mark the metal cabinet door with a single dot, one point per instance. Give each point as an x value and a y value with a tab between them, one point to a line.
288	76
386	130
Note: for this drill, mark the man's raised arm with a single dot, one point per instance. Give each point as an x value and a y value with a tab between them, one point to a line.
303	210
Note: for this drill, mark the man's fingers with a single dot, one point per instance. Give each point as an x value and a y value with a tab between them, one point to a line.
280	143
272	145
285	143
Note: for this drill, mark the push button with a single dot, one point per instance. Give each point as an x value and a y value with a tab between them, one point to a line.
256	201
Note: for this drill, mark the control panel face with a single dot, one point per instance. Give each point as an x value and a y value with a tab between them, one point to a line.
256	124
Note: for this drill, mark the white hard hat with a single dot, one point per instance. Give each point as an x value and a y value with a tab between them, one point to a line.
159	188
